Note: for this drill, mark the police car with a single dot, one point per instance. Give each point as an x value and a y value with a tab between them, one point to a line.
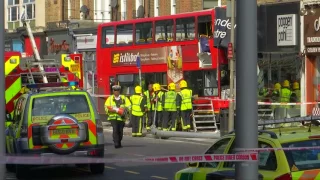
51	120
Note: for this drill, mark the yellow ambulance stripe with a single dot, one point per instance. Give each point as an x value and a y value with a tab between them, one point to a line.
69	63
13	90
9	67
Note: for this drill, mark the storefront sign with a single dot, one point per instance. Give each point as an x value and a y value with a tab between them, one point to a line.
59	44
312	33
222	28
87	42
147	56
286	30
312	29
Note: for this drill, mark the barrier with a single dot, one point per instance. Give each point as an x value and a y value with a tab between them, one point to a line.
45	160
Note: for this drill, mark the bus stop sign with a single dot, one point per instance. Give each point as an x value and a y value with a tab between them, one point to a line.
138	62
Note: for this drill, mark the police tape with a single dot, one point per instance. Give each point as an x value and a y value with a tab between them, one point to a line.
278	149
38	160
280	104
227	100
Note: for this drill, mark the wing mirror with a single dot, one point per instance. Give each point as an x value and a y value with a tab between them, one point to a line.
193	164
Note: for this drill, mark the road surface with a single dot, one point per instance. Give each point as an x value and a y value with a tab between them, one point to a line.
132	148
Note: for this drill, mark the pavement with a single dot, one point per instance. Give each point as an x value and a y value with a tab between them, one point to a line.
133	147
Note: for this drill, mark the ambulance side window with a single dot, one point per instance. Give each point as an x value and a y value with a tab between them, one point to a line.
18	110
218	148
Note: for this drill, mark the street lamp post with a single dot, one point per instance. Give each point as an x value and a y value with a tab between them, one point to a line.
246	124
232	71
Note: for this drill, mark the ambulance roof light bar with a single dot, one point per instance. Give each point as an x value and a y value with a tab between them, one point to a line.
58	84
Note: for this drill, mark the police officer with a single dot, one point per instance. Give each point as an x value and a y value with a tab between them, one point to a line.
285	93
186	105
157	97
116	107
171	103
137	111
149	93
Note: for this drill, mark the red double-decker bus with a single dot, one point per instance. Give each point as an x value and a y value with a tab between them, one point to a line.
171	48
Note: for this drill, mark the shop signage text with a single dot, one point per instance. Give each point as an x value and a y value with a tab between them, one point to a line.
286	30
56	47
312	32
147	56
87	42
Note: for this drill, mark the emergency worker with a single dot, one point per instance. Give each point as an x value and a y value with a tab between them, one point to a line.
285	93
296	94
171	104
150	106
116	107
275	96
156	98
139	104
186	105
263	93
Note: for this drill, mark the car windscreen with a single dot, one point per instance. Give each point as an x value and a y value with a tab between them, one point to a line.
304	159
44	108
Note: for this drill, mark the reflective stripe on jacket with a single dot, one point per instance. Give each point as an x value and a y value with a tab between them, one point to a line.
186	99
111	101
136	101
159	104
170	101
148	99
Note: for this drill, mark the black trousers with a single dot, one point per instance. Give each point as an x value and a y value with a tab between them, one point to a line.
136	125
159	117
117	133
169	116
185	116
150	116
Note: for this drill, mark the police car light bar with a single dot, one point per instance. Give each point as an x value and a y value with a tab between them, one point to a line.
58	84
288	120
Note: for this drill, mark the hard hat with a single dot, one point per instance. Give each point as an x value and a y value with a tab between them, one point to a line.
138	89
172	86
183	84
286	83
154	86
157	87
277	86
116	87
295	85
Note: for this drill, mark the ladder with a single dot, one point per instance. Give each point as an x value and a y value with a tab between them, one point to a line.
50	68
37	57
203	115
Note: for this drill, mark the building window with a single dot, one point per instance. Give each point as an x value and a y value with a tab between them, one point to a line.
124	34
13	10
185	29
144	33
30	9
164	31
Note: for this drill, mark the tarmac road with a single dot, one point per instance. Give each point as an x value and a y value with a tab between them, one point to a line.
132	148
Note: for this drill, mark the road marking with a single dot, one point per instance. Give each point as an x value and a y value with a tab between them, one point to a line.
132	172
158	177
108	167
140	155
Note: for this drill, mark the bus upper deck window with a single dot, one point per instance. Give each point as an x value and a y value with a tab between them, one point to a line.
144	33
164	31
185	29
108	36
